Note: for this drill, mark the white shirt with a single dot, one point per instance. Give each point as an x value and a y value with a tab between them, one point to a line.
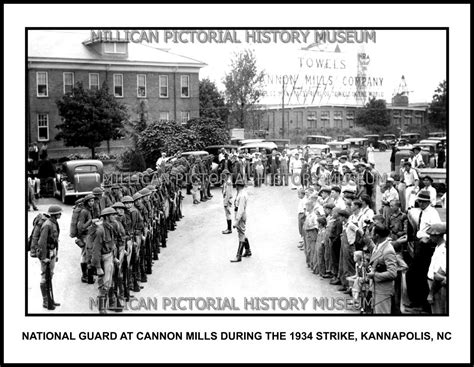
367	213
160	161
296	165
339	203
417	160
301	205
221	157
429	216
410	177
432	191
438	260
391	194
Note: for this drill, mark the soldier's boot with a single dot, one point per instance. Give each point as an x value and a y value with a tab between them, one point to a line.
155	252
90	276
143	277
238	257
136	287
102	304
47	303
84	278
247	252
112	300
229	227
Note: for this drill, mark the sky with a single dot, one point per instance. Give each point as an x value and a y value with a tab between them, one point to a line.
419	55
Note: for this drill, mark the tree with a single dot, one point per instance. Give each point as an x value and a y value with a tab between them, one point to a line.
165	136
90	117
374	116
209	131
244	86
437	108
211	101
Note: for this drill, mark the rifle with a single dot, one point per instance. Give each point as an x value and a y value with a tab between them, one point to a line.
49	286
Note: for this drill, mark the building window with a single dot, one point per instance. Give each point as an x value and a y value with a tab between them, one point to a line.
141	85
408	118
324	119
164	86
42	84
165	116
94	81
118	85
338	119
43	126
185	86
115	47
185	115
311	118
418	118
68	82
350	118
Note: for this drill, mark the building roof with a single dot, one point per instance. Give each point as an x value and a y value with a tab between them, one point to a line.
69	45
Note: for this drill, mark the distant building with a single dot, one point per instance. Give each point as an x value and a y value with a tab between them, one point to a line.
300	121
161	84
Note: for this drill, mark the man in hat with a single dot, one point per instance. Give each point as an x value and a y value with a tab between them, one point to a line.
397	220
411	180
389	193
423	250
427	186
383	265
227	197
83	224
273	166
284	168
143	210
346	258
116	194
47	254
240	209
103	259
437	277
117	292
417	159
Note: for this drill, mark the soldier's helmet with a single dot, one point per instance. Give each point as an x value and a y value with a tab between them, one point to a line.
127	199
136	196
119	205
97	191
144	192
88	197
54	209
107	211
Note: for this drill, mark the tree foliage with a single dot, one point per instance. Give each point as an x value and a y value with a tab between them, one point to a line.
374	116
211	101
437	108
165	136
244	86
209	131
90	117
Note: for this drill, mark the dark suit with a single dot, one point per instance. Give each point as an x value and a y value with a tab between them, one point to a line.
273	165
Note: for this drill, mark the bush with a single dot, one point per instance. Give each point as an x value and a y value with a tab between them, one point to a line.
131	161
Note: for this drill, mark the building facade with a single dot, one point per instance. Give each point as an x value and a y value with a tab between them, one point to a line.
295	122
155	82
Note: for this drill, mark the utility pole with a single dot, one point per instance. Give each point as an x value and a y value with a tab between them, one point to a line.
283	110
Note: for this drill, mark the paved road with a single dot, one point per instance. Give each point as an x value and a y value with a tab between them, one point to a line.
196	261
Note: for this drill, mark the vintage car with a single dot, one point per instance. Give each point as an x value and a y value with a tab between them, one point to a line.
343	137
250	141
412	138
437	135
281	143
376	142
268	146
389	139
404	153
338	148
79	177
318	139
358	146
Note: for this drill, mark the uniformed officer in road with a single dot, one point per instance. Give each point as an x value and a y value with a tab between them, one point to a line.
83	223
240	209
227	197
48	255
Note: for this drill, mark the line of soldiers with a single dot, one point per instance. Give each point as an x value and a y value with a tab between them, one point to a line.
120	232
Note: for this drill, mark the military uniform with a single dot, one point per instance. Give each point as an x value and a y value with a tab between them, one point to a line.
240	209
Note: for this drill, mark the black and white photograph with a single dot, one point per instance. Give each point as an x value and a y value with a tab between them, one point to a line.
235	183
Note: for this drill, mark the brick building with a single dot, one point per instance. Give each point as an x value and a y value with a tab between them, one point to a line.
300	121
159	83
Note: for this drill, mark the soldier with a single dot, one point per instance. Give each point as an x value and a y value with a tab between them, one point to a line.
48	251
116	194
103	259
117	293
101	201
240	209
130	220
139	231
83	223
227	195
156	212
147	212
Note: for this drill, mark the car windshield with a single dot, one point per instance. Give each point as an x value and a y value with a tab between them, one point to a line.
85	168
